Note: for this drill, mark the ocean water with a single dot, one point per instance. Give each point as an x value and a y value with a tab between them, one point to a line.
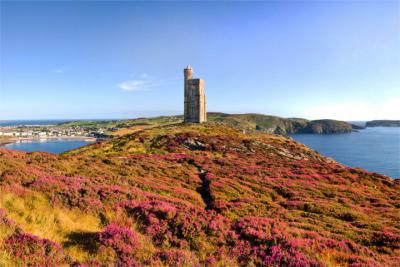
42	122
53	146
31	122
375	149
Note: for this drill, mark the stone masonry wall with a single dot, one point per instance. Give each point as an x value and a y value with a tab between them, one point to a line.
195	99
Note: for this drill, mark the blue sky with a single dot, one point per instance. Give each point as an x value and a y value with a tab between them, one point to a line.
121	59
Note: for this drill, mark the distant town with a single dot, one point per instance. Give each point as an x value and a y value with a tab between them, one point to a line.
88	130
32	132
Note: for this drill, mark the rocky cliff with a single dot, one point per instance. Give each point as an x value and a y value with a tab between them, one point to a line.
278	125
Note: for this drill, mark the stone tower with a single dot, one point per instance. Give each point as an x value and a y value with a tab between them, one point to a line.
195	99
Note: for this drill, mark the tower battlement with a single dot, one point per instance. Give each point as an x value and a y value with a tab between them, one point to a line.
195	99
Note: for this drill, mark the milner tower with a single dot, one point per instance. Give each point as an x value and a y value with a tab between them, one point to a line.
195	99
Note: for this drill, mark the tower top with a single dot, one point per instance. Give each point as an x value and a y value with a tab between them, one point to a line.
188	72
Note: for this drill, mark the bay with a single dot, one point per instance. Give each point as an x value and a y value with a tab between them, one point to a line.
48	145
31	122
376	149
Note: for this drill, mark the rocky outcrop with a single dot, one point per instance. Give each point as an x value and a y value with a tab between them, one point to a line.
283	126
327	127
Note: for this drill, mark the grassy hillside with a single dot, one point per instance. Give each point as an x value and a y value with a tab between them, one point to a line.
265	123
244	122
162	120
195	195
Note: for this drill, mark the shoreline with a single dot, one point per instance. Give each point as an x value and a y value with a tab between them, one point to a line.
31	139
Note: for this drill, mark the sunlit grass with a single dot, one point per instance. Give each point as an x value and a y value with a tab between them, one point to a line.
35	214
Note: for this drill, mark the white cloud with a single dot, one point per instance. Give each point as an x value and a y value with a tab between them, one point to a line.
143	83
133	85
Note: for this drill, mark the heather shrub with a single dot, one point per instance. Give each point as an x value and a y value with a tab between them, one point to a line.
264	241
176	257
119	244
329	244
349	216
357	261
284	192
386	239
34	251
258	230
183	227
71	191
221	199
288	255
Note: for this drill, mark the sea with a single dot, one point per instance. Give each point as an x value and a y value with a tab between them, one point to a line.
375	149
44	145
42	122
31	122
48	145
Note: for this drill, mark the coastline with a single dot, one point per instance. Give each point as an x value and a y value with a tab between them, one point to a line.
31	139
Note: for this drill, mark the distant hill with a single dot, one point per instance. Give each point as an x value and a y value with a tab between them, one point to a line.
245	122
278	125
383	123
195	195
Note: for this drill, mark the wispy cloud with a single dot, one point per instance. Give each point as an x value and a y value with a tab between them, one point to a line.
59	70
133	85
143	83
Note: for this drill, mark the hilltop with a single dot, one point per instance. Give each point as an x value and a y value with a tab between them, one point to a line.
245	122
278	125
194	195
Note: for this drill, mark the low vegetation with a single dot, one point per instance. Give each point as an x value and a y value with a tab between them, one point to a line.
195	195
243	122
